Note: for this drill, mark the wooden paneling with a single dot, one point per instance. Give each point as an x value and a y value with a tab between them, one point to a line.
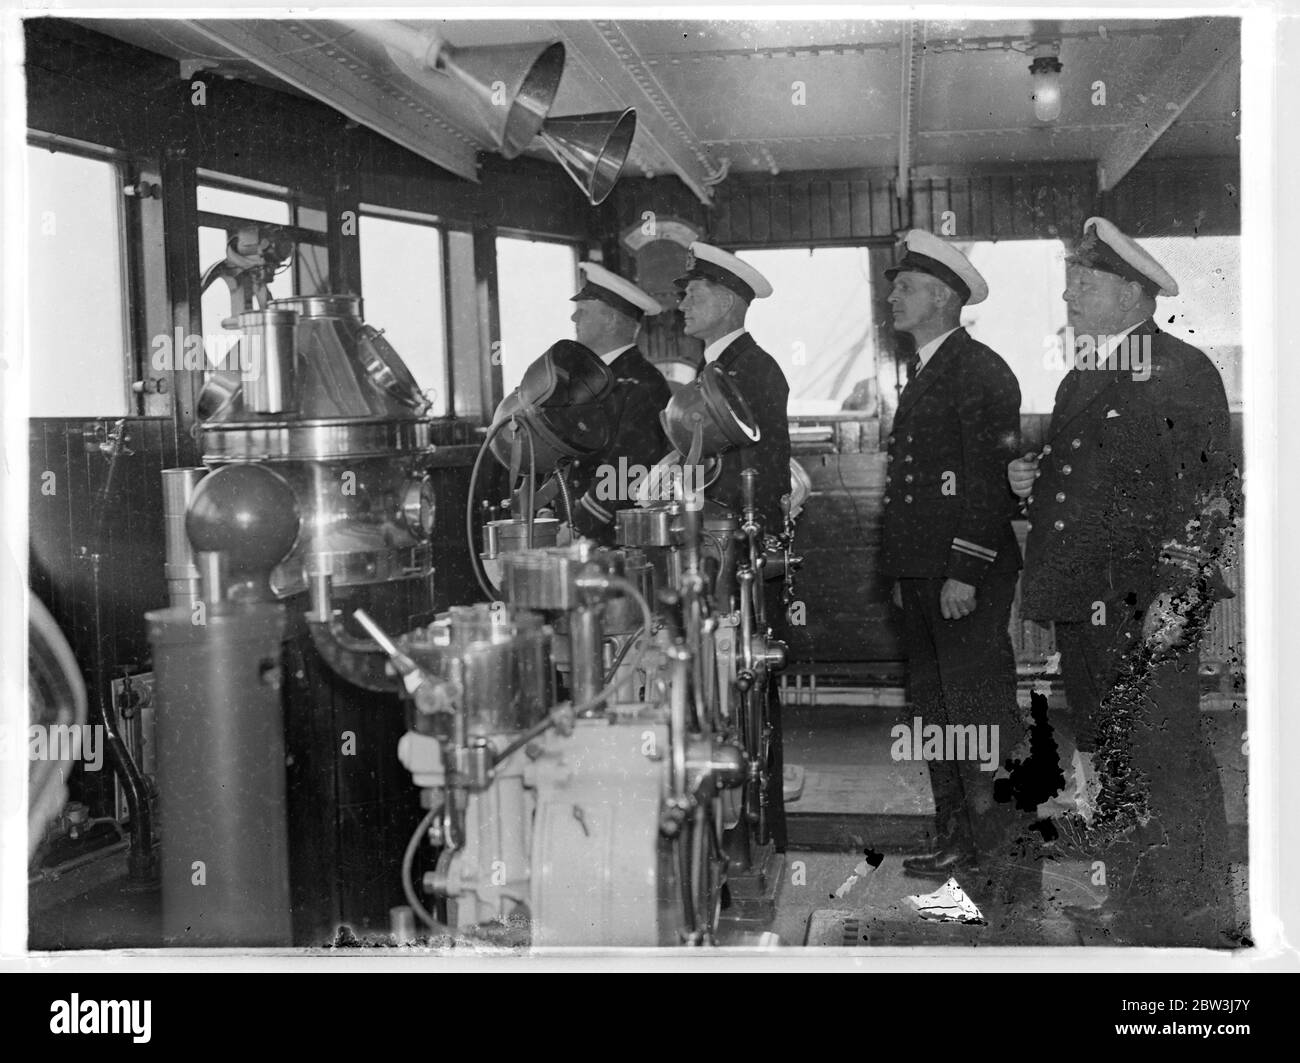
1177	197
65	490
665	197
807	208
62	524
847	611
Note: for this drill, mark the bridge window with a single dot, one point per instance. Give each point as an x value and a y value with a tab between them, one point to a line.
1206	312
402	282
1023	319
241	224
535	281
818	325
78	350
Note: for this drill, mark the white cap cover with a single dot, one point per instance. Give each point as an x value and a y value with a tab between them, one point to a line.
710	263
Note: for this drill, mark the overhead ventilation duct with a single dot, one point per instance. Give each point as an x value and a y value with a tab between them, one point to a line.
592	148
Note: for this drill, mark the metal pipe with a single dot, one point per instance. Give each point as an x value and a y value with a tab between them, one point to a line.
677	713
586	639
212	577
114	447
359	661
141	861
677	723
530	488
141	864
178	486
689	915
751	529
53	874
709	658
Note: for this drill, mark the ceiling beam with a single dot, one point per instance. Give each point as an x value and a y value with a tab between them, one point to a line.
913	41
319	58
1205	52
613	62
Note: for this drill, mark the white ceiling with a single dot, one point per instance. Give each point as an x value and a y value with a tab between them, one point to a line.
709	91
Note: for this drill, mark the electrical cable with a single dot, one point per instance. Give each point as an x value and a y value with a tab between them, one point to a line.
476	562
618	659
408	862
564	496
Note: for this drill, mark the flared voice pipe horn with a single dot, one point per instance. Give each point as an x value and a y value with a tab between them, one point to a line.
592	148
510	86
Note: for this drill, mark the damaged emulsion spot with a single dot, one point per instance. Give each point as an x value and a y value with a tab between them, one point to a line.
864	867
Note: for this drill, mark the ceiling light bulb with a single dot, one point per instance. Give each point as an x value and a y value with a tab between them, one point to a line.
1046	74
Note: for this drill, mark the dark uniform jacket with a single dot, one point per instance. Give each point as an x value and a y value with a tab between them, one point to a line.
600	488
760	381
1132	497
947	505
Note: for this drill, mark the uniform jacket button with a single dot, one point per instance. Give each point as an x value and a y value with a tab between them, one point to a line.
907	458
1066	470
910	439
908	478
1029	525
1059	525
1047	449
889	458
1030	500
1060	496
1076	443
907	498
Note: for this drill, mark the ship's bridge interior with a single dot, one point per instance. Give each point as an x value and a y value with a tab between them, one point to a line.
303	573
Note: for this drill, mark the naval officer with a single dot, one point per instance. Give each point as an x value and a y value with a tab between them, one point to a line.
607	315
950	548
1129	501
718	289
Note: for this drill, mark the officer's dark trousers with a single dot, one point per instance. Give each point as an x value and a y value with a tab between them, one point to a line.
1177	865
964	672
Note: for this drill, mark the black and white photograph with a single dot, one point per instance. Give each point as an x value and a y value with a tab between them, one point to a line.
585	482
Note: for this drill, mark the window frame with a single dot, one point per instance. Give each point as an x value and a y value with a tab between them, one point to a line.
864	243
125	167
293	199
440	224
578	245
296	199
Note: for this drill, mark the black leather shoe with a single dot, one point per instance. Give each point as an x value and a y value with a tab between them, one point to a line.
941	864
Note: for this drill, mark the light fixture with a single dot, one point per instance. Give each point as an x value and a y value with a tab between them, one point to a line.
1046	73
